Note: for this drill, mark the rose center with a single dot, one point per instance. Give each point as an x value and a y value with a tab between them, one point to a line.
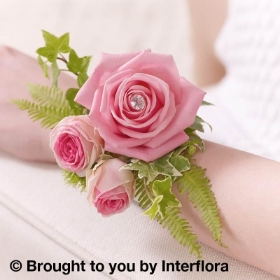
138	102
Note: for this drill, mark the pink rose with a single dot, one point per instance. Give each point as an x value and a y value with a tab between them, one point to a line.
139	104
110	188
76	144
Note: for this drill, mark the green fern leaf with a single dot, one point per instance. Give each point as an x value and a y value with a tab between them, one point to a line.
44	95
141	194
73	180
49	115
198	186
180	229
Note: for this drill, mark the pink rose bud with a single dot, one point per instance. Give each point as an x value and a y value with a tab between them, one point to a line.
76	144
110	188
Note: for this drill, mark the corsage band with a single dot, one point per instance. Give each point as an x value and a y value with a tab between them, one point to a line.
128	131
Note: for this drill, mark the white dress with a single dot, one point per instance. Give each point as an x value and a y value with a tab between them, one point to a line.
246	115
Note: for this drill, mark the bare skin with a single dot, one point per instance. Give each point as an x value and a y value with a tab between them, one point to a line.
18	134
247	189
207	18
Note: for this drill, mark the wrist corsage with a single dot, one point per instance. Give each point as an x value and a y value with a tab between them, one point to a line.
128	131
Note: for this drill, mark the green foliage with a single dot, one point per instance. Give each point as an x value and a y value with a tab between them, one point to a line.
198	124
195	182
164	167
83	76
154	184
53	50
75	63
54	45
142	193
50	105
180	229
205	103
44	66
44	95
154	180
181	163
171	165
48	114
79	66
193	143
164	198
73	180
55	74
70	96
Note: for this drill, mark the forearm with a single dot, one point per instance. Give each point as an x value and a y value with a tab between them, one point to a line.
247	188
18	134
207	18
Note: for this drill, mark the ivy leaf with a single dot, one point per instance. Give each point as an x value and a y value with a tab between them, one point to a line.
197	125
49	52
164	167
162	188
191	149
44	66
205	103
83	76
54	45
180	149
59	44
181	163
75	63
194	140
145	170
155	208
63	43
55	74
70	96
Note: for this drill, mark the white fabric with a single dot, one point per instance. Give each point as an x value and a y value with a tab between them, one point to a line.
113	26
40	217
247	115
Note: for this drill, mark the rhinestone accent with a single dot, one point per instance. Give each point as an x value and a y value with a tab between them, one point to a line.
137	101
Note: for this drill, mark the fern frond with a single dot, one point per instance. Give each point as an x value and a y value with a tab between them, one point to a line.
180	229
48	114
73	180
198	186
44	95
141	194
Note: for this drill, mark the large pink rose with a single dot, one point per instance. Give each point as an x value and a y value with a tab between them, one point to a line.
139	104
76	144
110	188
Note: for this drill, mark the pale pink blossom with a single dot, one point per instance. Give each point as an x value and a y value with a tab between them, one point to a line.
76	144
140	104
110	188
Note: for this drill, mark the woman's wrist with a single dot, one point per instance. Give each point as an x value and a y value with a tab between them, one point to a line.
247	190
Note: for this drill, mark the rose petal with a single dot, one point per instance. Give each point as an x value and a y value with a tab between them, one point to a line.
191	99
147	153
